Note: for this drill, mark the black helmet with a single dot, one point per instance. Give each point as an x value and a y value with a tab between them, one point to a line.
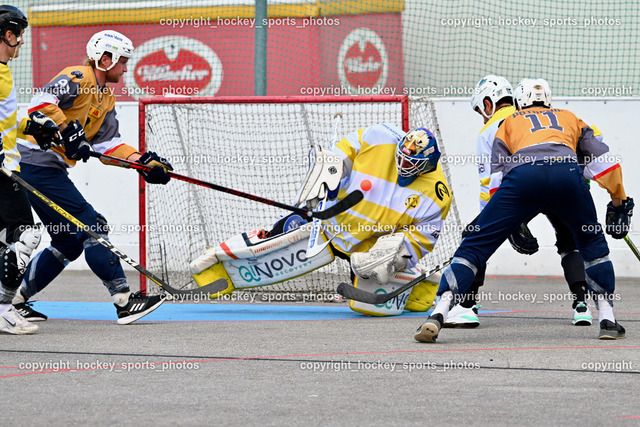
12	18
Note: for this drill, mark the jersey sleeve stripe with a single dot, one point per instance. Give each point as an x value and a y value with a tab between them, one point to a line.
606	171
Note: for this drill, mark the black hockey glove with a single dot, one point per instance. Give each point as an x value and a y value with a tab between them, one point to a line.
76	146
44	130
618	218
523	241
160	166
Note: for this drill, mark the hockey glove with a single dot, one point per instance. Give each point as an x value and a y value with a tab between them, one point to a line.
618	218
523	241
76	146
44	130
160	166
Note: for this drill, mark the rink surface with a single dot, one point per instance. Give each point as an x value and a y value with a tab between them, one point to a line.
259	363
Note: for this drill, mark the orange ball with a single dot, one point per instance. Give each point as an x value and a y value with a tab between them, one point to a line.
365	185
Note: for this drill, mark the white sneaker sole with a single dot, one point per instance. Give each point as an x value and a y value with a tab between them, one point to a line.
130	319
428	332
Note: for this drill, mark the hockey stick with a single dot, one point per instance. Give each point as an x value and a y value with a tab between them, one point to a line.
212	288
350	292
344	204
314	248
632	246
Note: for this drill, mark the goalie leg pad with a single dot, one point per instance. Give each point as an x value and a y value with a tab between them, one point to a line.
386	257
423	295
248	260
210	275
393	307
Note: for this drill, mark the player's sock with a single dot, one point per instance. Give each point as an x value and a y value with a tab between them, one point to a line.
121	298
443	304
605	310
578	290
19	298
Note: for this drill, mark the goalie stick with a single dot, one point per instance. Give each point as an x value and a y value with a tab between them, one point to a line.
210	289
349	201
314	248
350	292
632	246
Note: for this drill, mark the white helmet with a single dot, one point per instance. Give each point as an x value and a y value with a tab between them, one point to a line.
533	91
493	87
109	41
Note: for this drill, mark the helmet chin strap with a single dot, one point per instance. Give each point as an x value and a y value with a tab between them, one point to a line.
18	38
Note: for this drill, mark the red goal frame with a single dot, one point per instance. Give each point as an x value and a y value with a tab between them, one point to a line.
143	102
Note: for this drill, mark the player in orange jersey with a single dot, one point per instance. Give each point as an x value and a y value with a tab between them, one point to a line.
537	160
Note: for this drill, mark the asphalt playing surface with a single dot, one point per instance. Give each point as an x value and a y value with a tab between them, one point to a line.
299	364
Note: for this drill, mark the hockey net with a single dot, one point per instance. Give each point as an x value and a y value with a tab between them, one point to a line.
258	146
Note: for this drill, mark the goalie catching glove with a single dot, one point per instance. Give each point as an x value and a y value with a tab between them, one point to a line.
76	146
323	179
523	241
160	166
618	218
386	257
44	130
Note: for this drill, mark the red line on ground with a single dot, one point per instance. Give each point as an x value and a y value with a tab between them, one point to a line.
290	356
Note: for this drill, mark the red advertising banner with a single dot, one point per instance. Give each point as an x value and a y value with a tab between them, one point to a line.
214	56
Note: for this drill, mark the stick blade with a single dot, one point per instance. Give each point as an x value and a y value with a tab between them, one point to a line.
356	294
350	292
202	292
347	203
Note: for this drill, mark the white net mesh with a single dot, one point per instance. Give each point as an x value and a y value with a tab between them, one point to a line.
261	149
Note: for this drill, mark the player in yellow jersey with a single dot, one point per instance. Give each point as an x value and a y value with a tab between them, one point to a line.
406	200
538	159
80	100
493	100
21	237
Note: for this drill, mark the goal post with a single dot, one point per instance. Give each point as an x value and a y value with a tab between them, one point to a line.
257	145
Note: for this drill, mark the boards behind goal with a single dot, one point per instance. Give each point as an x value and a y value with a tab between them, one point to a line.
257	145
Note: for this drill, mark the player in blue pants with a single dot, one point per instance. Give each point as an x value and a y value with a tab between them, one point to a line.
535	167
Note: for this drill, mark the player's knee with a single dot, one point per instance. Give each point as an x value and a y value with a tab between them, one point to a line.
600	275
67	251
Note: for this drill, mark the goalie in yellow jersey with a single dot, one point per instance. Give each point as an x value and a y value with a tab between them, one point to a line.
406	199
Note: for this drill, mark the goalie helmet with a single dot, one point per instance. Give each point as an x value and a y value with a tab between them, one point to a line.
533	92
416	153
493	87
12	18
112	42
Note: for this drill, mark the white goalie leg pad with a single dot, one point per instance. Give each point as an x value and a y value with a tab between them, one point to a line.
386	257
325	172
394	306
29	241
204	261
251	261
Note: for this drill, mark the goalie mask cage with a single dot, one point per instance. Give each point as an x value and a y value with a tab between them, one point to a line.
257	145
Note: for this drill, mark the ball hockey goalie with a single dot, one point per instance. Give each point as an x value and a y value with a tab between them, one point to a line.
406	199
